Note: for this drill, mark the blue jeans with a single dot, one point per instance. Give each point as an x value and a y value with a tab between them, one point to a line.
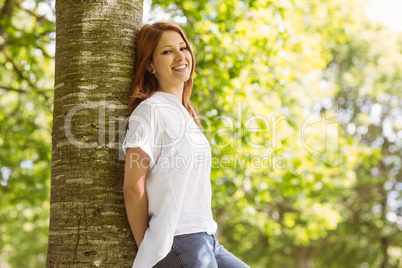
199	250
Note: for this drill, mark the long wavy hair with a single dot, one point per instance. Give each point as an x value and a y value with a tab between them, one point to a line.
145	83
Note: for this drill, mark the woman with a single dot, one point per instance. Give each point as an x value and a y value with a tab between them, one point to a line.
167	189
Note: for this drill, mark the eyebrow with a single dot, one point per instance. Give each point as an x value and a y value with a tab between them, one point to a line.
171	45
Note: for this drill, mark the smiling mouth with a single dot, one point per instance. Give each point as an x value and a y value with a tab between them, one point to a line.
180	67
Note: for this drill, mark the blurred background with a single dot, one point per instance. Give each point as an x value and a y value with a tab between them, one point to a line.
325	75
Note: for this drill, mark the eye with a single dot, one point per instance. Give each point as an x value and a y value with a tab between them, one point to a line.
166	52
183	48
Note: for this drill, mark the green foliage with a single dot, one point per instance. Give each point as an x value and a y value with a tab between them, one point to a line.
26	77
369	80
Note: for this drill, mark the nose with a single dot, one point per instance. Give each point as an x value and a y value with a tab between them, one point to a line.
179	56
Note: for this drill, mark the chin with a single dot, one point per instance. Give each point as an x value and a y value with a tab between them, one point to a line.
185	78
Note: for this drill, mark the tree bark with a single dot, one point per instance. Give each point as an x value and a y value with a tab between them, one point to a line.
384	249
303	257
384	242
94	66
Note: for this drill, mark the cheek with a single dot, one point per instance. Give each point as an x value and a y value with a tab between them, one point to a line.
161	63
189	59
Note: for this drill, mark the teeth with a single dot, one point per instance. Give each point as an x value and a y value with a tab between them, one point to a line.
179	67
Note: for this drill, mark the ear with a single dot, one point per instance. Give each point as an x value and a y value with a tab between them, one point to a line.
151	69
150	66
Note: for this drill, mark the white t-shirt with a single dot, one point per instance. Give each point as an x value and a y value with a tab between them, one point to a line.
178	181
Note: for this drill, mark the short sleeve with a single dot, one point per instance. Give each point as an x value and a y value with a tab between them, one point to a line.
144	132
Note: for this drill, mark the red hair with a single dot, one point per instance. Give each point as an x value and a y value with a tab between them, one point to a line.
145	83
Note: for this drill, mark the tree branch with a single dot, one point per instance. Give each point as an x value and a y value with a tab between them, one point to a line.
14	89
7	9
18	70
21	91
38	17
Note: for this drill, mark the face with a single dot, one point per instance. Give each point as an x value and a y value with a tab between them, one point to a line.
171	60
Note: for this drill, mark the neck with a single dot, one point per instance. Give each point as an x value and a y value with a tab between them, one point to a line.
176	91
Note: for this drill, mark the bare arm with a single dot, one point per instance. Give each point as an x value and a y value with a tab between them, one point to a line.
135	196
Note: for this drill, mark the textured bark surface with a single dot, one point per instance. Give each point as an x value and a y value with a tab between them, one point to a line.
303	257
93	78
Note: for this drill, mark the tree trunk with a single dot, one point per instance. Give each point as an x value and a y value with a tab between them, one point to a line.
384	248
303	257
384	242
93	78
